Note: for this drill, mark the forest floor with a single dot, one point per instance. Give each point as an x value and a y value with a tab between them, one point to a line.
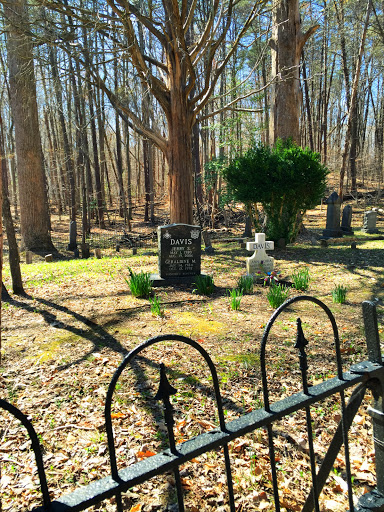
62	343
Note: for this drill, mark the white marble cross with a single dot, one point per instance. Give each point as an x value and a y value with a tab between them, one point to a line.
260	261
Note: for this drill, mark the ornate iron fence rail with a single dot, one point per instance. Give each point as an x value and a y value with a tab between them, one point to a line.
365	375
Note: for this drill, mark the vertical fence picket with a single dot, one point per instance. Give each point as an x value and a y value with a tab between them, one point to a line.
35	447
377	411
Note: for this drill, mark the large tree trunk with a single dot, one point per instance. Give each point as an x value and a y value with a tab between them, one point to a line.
180	162
286	44
34	215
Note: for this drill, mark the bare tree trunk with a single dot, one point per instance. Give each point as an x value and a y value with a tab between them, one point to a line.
129	174
266	102
14	258
64	134
179	156
308	105
100	109
197	166
119	170
54	166
353	102
99	194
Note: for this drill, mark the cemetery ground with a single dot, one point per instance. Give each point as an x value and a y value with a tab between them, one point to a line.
62	343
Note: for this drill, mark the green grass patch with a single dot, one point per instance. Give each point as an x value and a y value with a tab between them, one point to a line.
40	273
139	283
247	359
204	285
245	285
235	297
277	295
339	294
156	308
193	325
301	278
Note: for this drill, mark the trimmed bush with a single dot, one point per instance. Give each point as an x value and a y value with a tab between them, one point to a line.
285	179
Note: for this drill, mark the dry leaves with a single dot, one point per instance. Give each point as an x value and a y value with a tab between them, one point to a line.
63	346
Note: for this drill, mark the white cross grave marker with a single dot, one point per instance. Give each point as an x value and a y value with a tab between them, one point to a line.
260	261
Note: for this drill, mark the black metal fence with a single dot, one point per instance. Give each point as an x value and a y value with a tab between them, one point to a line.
366	375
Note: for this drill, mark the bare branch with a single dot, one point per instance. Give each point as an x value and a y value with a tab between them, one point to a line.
230	106
129	8
138	125
210	82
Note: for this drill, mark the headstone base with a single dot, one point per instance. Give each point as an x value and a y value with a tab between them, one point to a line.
157	281
332	233
369	231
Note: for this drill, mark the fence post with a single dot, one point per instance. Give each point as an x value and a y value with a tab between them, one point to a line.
372	332
377	411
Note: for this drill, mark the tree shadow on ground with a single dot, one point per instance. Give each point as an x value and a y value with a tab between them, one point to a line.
99	337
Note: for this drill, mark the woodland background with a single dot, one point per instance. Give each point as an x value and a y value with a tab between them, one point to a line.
98	114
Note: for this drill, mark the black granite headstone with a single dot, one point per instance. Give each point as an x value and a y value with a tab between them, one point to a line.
179	254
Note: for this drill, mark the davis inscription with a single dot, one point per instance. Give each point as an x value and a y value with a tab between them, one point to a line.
179	250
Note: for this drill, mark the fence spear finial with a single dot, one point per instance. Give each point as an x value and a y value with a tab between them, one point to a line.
165	389
301	343
164	392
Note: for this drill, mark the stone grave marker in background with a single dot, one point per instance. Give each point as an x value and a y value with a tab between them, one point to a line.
179	254
72	236
248	227
260	261
346	220
332	228
207	242
369	222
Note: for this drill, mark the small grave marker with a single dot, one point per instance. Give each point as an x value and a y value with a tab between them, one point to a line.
207	242
260	261
85	251
72	236
332	228
28	257
248	227
369	222
346	220
179	254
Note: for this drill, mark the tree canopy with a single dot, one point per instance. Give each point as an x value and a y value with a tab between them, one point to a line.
134	98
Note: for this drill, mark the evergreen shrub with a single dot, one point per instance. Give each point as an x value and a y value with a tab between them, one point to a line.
284	178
